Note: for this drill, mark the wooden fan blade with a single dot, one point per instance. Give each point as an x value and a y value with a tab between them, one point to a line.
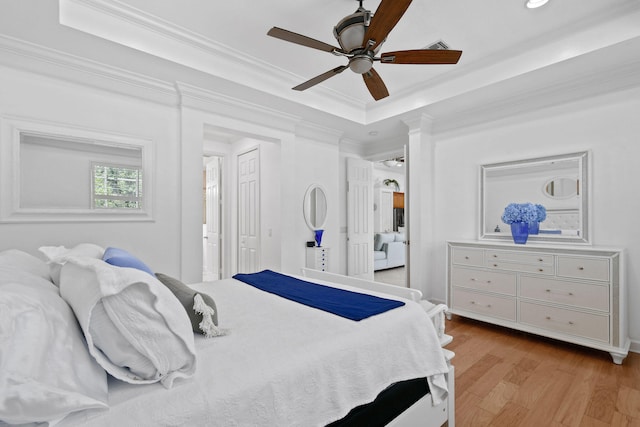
322	77
421	56
384	19
375	85
296	38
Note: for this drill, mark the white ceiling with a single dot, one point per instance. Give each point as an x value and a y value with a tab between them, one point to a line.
509	51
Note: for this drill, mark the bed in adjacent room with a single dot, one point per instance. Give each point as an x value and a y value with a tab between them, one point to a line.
276	355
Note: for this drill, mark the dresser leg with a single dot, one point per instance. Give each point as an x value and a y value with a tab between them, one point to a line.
618	357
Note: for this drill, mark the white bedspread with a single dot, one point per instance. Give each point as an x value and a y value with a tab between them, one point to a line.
282	364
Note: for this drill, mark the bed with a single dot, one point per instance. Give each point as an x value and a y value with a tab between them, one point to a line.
271	361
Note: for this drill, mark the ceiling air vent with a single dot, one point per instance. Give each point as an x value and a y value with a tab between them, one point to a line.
440	45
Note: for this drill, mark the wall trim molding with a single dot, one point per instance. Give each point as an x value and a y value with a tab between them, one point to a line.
209	101
27	56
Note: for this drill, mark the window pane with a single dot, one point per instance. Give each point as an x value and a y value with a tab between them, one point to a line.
117	187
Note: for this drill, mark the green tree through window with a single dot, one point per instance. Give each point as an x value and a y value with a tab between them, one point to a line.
117	187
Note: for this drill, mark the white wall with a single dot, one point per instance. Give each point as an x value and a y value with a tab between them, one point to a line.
607	126
380	173
34	97
315	162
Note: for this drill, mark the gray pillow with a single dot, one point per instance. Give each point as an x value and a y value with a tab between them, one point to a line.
198	306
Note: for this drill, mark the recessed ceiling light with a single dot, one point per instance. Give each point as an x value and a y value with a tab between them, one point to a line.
532	4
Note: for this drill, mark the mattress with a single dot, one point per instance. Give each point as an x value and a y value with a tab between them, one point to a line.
282	363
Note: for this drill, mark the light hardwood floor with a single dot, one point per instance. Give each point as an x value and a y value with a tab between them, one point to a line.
510	378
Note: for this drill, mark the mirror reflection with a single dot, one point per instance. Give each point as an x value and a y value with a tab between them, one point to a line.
558	183
315	207
560	188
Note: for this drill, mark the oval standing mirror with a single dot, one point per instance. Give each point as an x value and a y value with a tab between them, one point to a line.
559	183
561	188
315	207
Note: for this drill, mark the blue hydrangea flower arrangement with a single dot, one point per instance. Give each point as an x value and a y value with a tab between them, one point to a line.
520	212
542	213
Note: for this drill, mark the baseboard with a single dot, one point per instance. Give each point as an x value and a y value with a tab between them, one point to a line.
635	346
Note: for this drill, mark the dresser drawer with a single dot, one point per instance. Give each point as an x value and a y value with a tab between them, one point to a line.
492	281
489	305
565	292
524	268
519	257
465	256
584	268
585	325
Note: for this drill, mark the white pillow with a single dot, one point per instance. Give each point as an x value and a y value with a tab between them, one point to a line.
26	262
46	371
56	255
134	326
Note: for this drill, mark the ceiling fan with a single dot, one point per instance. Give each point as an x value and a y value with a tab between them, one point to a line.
360	36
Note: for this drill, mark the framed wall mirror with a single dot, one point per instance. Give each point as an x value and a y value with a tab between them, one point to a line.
315	207
559	183
52	173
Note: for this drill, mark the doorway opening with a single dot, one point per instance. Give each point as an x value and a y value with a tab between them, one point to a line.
212	254
390	236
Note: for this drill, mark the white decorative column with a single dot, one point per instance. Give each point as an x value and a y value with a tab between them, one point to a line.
419	209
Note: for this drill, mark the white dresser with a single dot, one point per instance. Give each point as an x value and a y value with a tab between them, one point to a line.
318	258
574	294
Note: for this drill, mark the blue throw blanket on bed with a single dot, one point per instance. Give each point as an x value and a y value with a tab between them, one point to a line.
348	304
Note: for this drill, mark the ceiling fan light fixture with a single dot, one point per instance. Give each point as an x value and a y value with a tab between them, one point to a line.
350	30
532	4
360	64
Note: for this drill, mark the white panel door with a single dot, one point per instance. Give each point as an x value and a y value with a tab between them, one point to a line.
248	212
212	236
359	218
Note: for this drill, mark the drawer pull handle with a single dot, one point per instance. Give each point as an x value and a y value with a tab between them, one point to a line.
473	302
570	294
580	268
488	281
541	269
540	259
488	305
466	257
548	317
495	256
548	290
495	265
473	279
570	322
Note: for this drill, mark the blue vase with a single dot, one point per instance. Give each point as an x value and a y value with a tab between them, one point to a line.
520	232
534	227
318	234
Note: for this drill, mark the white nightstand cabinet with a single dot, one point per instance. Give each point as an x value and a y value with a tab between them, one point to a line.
573	294
318	258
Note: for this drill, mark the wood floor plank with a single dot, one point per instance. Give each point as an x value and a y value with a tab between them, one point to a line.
496	399
510	415
628	402
513	379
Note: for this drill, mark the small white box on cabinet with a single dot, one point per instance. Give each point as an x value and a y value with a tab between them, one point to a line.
318	258
573	294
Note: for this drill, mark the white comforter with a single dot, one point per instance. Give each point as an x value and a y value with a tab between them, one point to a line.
282	364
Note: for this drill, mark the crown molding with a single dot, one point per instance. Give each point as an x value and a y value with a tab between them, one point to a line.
20	54
223	105
118	22
318	133
553	89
